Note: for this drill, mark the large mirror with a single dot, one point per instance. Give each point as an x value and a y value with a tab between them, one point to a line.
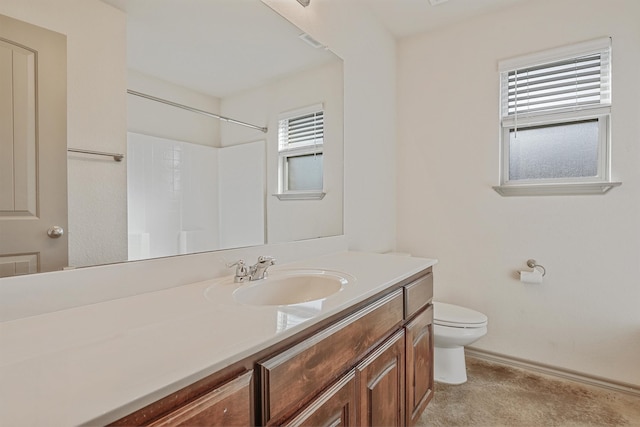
189	182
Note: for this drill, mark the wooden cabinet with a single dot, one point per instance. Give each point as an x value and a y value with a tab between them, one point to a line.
334	407
381	381
291	378
226	403
419	364
394	378
369	365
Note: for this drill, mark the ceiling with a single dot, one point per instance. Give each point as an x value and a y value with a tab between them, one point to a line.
220	47
407	17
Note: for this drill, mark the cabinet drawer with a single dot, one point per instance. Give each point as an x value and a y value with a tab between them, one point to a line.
417	295
291	378
227	405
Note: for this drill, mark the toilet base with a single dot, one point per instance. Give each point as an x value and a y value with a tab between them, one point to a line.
449	365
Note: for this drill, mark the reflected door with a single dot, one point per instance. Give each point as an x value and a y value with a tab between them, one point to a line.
33	149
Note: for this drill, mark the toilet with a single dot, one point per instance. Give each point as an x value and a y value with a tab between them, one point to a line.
453	328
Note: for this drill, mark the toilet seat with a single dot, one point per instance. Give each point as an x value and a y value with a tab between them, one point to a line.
458	317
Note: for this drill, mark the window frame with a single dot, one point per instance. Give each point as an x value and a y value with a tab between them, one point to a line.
285	152
602	174
601	111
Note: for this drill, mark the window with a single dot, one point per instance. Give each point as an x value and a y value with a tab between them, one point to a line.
555	119
300	153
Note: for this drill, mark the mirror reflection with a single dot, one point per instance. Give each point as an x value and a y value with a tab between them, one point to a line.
188	181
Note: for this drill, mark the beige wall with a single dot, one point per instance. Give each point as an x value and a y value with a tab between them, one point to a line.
369	54
585	315
289	220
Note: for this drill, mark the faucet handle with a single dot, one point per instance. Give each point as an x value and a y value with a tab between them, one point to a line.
239	263
266	259
242	272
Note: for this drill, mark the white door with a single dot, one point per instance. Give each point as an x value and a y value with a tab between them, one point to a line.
33	148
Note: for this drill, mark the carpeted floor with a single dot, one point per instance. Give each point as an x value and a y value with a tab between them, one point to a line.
497	395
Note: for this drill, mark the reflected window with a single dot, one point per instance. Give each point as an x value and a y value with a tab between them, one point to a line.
300	150
295	314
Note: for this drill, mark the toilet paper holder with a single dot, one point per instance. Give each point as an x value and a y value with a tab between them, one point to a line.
531	263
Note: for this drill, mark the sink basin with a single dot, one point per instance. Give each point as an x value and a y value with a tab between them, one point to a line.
286	287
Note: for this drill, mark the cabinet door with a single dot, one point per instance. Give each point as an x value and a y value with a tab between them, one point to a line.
335	407
227	405
419	364
381	384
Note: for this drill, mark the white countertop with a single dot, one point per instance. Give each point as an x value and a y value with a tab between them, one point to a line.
96	363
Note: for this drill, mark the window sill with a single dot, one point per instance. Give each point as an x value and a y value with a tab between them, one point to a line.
301	195
567	189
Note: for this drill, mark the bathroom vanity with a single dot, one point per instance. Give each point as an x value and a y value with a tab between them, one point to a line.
192	355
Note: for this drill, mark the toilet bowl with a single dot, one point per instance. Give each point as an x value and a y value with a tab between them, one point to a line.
453	328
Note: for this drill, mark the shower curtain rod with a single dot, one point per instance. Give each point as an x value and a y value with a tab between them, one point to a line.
195	110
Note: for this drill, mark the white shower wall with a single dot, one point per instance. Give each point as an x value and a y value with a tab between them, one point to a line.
177	205
172	189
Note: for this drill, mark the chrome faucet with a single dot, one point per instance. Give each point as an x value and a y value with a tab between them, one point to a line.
259	270
254	272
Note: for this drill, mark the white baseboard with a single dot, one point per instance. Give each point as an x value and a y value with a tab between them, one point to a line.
553	371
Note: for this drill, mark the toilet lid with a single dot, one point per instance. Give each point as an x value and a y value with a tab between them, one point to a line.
453	315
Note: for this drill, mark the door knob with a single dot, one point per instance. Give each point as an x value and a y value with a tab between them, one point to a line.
55	231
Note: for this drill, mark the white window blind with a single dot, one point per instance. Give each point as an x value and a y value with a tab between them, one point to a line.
580	82
303	130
